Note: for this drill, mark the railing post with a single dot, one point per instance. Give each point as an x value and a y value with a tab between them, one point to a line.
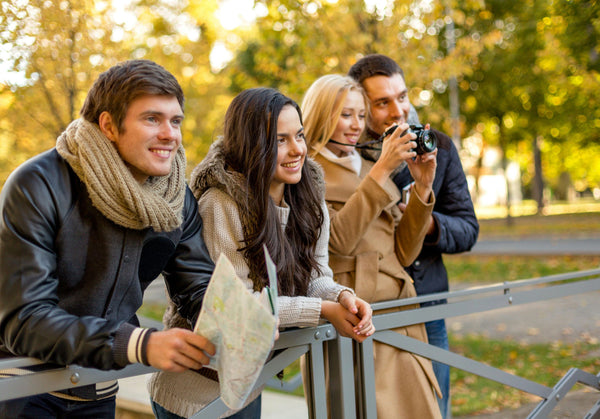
341	378
317	407
365	397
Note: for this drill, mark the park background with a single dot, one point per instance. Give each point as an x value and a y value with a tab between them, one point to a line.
516	84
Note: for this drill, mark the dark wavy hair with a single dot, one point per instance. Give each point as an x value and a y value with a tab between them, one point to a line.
250	146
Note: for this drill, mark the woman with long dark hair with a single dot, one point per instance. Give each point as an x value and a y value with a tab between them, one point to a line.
257	187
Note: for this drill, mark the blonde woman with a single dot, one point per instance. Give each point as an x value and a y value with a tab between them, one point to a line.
370	239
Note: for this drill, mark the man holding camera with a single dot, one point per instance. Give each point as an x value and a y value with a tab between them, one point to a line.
453	225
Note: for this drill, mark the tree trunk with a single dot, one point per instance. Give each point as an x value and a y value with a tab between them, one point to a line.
509	220
538	179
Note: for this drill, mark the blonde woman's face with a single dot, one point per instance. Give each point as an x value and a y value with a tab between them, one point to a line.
350	125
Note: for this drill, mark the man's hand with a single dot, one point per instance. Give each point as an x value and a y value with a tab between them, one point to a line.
422	169
178	350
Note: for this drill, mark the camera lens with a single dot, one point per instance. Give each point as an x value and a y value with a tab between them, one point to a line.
428	141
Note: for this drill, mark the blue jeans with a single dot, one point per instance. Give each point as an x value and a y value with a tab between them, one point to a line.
252	411
46	406
437	335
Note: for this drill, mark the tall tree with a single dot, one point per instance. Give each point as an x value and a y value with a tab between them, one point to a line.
296	42
59	47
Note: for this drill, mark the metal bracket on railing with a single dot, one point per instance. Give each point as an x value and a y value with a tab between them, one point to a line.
325	334
560	390
594	412
507	292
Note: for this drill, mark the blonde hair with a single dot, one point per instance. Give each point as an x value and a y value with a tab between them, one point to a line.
322	106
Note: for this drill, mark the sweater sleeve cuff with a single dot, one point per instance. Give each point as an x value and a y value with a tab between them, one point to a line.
337	297
130	345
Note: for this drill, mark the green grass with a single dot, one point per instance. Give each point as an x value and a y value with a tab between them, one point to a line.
542	363
528	207
152	311
559	225
486	269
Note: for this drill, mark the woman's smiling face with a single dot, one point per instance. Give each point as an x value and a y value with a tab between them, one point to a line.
350	124
291	152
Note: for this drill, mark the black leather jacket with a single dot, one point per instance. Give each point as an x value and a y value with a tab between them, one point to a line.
71	280
454	214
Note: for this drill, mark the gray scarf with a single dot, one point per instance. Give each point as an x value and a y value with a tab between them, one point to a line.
158	203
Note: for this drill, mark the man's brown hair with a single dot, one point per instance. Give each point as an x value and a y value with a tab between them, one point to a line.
117	87
374	65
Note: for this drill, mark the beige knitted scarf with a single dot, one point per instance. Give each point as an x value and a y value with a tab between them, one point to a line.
158	203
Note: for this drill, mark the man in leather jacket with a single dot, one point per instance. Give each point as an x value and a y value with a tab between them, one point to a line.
453	226
86	226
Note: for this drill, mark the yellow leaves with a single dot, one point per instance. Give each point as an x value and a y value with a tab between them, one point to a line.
6	100
187	72
485	15
576	80
6	142
508	121
189	124
492	38
549	63
332	61
203	11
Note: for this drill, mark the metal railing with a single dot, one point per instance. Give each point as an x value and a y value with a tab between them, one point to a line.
353	396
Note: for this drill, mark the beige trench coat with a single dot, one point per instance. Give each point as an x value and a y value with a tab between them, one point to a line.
370	241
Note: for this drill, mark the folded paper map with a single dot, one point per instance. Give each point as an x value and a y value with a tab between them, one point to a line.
241	326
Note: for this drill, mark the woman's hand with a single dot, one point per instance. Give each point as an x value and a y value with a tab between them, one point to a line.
363	311
395	149
351	317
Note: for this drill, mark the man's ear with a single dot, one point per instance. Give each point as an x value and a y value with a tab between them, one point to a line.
107	126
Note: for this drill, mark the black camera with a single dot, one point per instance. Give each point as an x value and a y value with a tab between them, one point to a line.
426	139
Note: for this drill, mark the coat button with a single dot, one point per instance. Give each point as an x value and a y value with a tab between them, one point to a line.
417	263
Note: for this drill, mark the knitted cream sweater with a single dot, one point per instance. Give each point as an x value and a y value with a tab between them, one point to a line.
188	392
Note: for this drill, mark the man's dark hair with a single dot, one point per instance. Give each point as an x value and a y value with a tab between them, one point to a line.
374	65
117	87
